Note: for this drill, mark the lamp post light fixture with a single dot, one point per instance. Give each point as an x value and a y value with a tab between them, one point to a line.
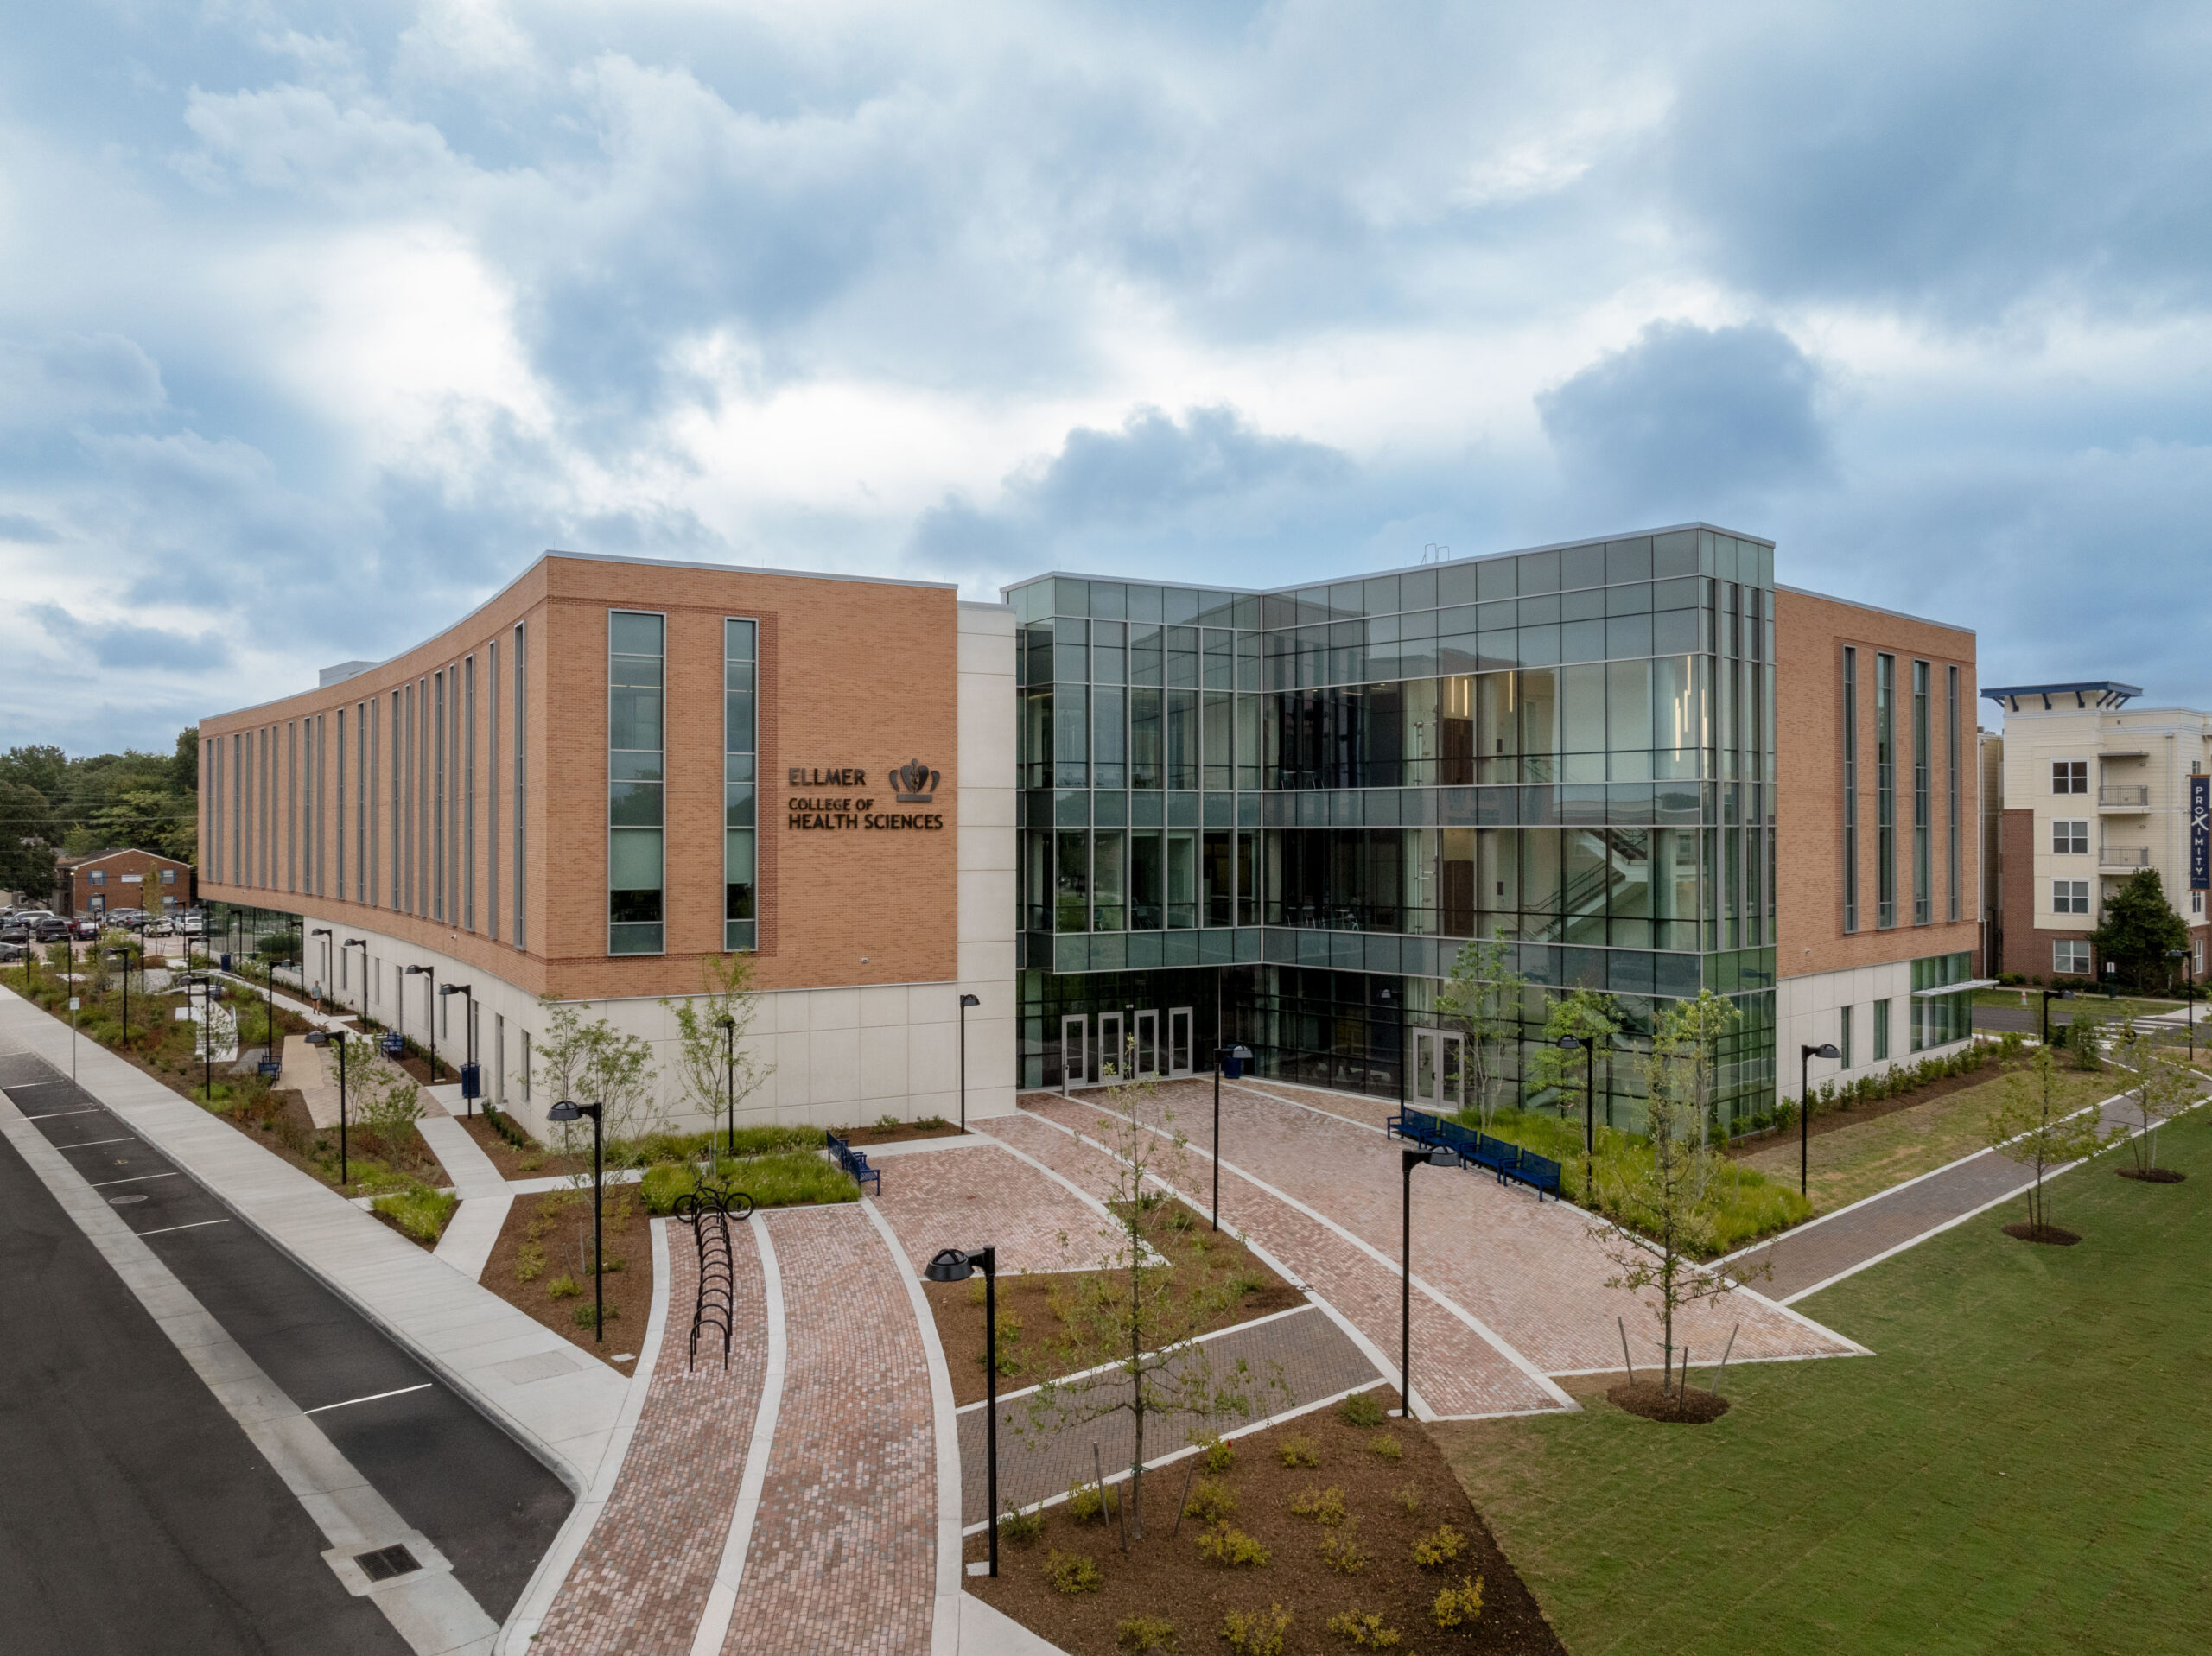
1589	1045
570	1110
1805	1056
1230	1060
467	1036
337	1037
361	943
2064	994
958	1264
209	990
430	972
966	1001
1441	1156
2187	958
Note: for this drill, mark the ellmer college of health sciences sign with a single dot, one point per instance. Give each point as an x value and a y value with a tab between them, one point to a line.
912	784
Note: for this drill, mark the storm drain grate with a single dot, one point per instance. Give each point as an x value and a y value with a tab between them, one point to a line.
387	1562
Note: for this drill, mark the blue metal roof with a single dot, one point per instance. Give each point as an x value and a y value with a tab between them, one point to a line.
2102	693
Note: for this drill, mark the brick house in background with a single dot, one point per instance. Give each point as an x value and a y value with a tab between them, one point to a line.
103	881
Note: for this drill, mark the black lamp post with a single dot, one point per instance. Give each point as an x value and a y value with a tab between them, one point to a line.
1805	1056
1231	1060
337	1039
1589	1045
123	955
467	1032
2064	994
430	972
361	943
1442	1156
208	990
728	1026
323	932
966	1001
269	1004
2187	958
958	1264
569	1110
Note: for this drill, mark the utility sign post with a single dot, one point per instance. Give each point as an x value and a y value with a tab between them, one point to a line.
2200	833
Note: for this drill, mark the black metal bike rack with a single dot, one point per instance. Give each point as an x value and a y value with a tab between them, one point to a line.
708	1211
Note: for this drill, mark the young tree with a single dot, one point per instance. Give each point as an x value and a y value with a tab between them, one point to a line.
2163	1087
2140	927
1660	1204
1483	997
1689	1034
589	1060
1134	1319
1588	1015
2028	1128
2085	1039
716	1068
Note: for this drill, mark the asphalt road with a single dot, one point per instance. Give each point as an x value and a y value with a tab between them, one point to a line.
135	1515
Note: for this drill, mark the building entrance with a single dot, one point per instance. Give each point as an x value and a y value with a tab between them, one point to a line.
1439	1083
1145	1043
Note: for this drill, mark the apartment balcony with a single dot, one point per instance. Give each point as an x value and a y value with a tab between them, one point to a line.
2124	797
2124	856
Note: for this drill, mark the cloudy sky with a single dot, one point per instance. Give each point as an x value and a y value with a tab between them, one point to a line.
318	322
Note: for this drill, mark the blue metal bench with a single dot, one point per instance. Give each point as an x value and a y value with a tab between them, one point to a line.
1539	1173
854	1162
1499	1157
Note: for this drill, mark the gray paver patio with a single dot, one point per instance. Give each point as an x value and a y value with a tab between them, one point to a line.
970	1196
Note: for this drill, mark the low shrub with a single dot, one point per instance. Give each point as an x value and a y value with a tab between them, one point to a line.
1141	1633
1255	1633
1229	1547
1408	1497
1088	1502
1217	1453
1440	1547
587	1314
505	1126
1362	1409
1298	1450
1071	1572
530	1261
1209	1501
563	1287
791	1178
1385	1444
421	1212
1325	1506
1456	1606
1021	1527
1367	1631
1341	1551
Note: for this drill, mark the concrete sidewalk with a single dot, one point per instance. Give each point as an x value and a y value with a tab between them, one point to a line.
553	1399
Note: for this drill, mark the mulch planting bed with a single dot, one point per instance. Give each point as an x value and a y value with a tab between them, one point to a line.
2054	1236
540	1242
2154	1175
1866	1110
535	1163
1026	1301
1684	1406
1165	1577
860	1138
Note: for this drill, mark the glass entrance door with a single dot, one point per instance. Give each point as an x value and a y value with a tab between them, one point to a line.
1074	1071
1112	1056
1179	1041
1147	1059
1440	1085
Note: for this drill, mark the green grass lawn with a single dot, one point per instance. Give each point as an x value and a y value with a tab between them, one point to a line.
2022	1467
1852	1163
2120	1006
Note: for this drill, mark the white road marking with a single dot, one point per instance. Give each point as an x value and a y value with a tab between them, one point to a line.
372	1398
135	1178
165	1229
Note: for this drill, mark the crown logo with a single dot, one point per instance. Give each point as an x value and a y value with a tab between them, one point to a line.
916	783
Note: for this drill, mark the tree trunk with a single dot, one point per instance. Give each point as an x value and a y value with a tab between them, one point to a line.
1136	1466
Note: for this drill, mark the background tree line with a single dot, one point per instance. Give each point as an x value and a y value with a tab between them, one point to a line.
51	804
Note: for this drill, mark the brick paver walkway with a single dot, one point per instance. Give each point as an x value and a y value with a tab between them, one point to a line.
644	1575
1306	1351
1532	1274
1456	1371
844	1547
971	1196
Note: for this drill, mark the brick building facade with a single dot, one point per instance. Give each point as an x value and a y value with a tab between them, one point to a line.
109	880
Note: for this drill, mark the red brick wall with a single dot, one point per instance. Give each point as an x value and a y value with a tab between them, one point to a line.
146	894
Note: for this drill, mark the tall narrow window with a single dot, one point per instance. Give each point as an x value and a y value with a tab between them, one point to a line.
1951	782
740	747
468	795
452	794
1843	1038
1885	791
522	798
238	815
1922	823
420	780
635	701
291	804
437	795
492	790
399	798
1850	790
1881	1031
341	824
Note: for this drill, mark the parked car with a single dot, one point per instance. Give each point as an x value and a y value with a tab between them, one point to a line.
194	923
15	932
12	951
50	928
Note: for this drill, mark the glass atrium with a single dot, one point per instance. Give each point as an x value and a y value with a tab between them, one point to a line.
1277	817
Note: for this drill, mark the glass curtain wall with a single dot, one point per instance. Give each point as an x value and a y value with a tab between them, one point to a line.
740	747
1571	748
636	702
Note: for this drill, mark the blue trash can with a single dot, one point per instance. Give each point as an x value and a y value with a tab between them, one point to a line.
471	1087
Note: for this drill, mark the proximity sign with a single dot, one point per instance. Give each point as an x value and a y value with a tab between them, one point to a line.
2200	833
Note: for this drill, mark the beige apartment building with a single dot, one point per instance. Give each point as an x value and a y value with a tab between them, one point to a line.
2093	790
